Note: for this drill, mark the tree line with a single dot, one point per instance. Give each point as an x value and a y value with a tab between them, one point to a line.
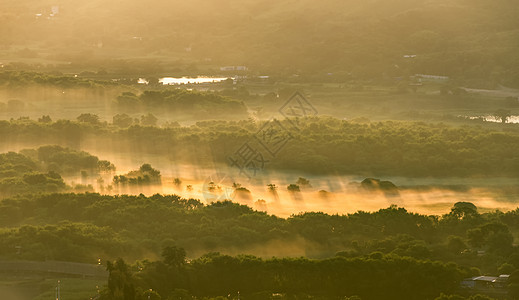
132	226
317	145
429	253
180	101
41	170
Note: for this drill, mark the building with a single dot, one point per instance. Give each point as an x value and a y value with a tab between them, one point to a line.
490	285
431	77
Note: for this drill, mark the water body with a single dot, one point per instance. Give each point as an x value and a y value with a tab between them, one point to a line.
488	118
191	80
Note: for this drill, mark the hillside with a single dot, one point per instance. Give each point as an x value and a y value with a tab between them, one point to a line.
467	40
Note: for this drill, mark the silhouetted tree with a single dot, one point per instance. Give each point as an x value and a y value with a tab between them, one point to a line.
293	188
88	118
149	120
120	282
122	120
503	115
174	256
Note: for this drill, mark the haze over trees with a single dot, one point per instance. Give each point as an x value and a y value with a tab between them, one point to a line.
181	102
84	227
336	37
322	145
40	170
146	174
335	149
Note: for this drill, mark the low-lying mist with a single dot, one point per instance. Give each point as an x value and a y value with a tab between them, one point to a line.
268	190
332	194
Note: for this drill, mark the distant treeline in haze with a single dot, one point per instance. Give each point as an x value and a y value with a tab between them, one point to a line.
474	41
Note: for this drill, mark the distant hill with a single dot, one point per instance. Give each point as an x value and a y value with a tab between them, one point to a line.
476	40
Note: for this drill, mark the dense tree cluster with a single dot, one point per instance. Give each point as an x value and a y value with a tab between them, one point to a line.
319	145
374	276
40	170
362	248
20	174
222	226
17	79
146	174
65	160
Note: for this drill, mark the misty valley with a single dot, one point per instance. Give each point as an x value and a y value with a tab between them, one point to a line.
258	149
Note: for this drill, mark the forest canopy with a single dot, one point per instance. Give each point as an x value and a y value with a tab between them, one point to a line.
320	145
40	170
265	149
356	247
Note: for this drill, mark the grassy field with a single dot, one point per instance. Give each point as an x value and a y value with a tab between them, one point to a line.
42	288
